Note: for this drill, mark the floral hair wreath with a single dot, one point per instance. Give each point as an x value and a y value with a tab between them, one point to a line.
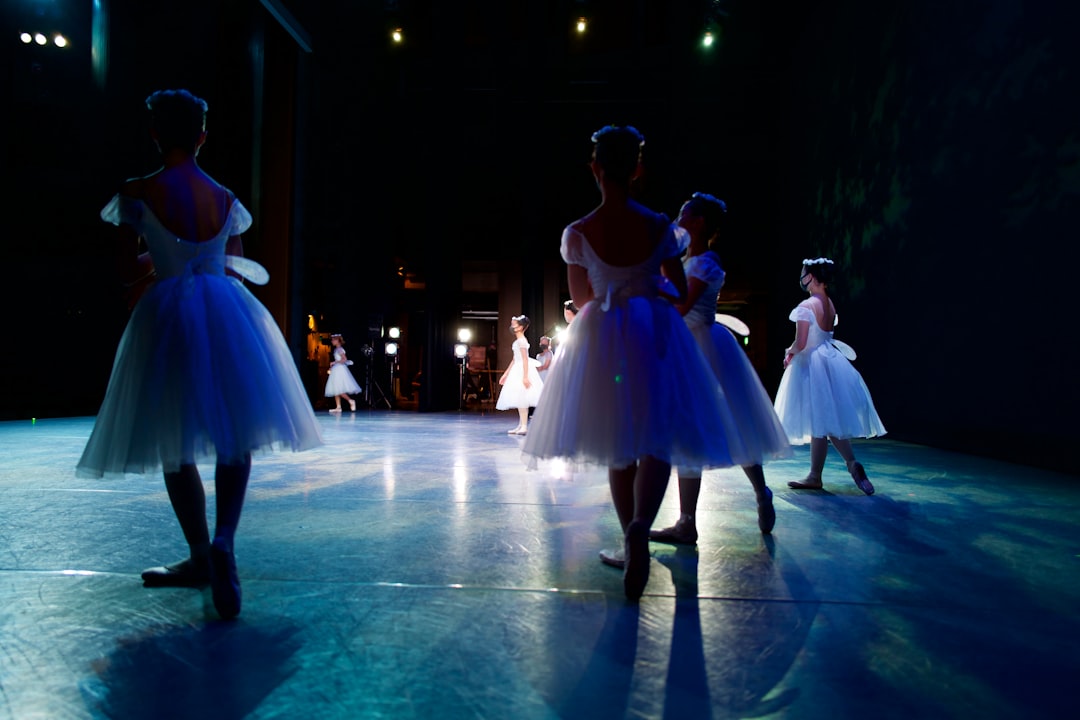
710	199
608	129
818	261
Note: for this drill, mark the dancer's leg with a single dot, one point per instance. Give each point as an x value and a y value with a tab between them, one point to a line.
766	513
819	446
818	449
689	492
650	484
858	473
621	482
188	500
684	531
230	481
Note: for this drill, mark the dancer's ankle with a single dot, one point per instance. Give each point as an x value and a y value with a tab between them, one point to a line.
200	553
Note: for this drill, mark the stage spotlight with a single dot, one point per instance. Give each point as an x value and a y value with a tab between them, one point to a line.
40	39
60	41
391	349
26	37
464	335
394	332
582	24
397	36
460	350
707	39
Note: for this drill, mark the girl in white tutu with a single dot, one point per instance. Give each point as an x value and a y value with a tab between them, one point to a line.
759	430
570	311
202	371
341	383
822	397
630	390
521	383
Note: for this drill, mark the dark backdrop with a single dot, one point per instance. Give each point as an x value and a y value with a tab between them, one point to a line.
929	147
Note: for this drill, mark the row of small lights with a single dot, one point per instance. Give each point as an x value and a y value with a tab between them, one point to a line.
397	35
58	40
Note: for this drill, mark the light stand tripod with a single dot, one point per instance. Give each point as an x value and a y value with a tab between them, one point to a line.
461	385
371	387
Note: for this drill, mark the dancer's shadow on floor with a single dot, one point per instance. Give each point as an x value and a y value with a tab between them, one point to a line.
604	689
726	657
220	670
688	694
879	518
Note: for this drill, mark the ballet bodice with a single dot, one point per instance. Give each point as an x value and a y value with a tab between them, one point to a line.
706	268
613	282
174	256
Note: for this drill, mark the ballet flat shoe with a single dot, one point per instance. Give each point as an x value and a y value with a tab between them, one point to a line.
858	474
224	583
185	573
613	558
678	534
766	513
804	485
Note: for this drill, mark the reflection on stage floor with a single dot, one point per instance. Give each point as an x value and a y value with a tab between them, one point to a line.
414	568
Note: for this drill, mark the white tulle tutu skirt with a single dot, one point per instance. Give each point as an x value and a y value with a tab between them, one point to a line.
631	382
202	372
756	425
822	394
514	394
341	382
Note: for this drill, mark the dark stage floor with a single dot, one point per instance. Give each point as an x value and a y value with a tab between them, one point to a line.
412	568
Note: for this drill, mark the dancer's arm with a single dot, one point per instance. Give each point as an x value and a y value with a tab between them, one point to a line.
672	269
802	331
525	365
581	290
694	289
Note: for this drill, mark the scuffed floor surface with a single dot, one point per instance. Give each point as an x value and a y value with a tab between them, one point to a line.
413	568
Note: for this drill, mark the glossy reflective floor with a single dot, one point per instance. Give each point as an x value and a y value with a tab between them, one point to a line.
412	568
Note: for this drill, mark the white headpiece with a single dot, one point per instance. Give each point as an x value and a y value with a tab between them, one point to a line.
818	261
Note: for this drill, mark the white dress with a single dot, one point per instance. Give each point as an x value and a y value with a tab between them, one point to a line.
756	423
548	356
514	394
341	380
202	371
630	380
821	393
